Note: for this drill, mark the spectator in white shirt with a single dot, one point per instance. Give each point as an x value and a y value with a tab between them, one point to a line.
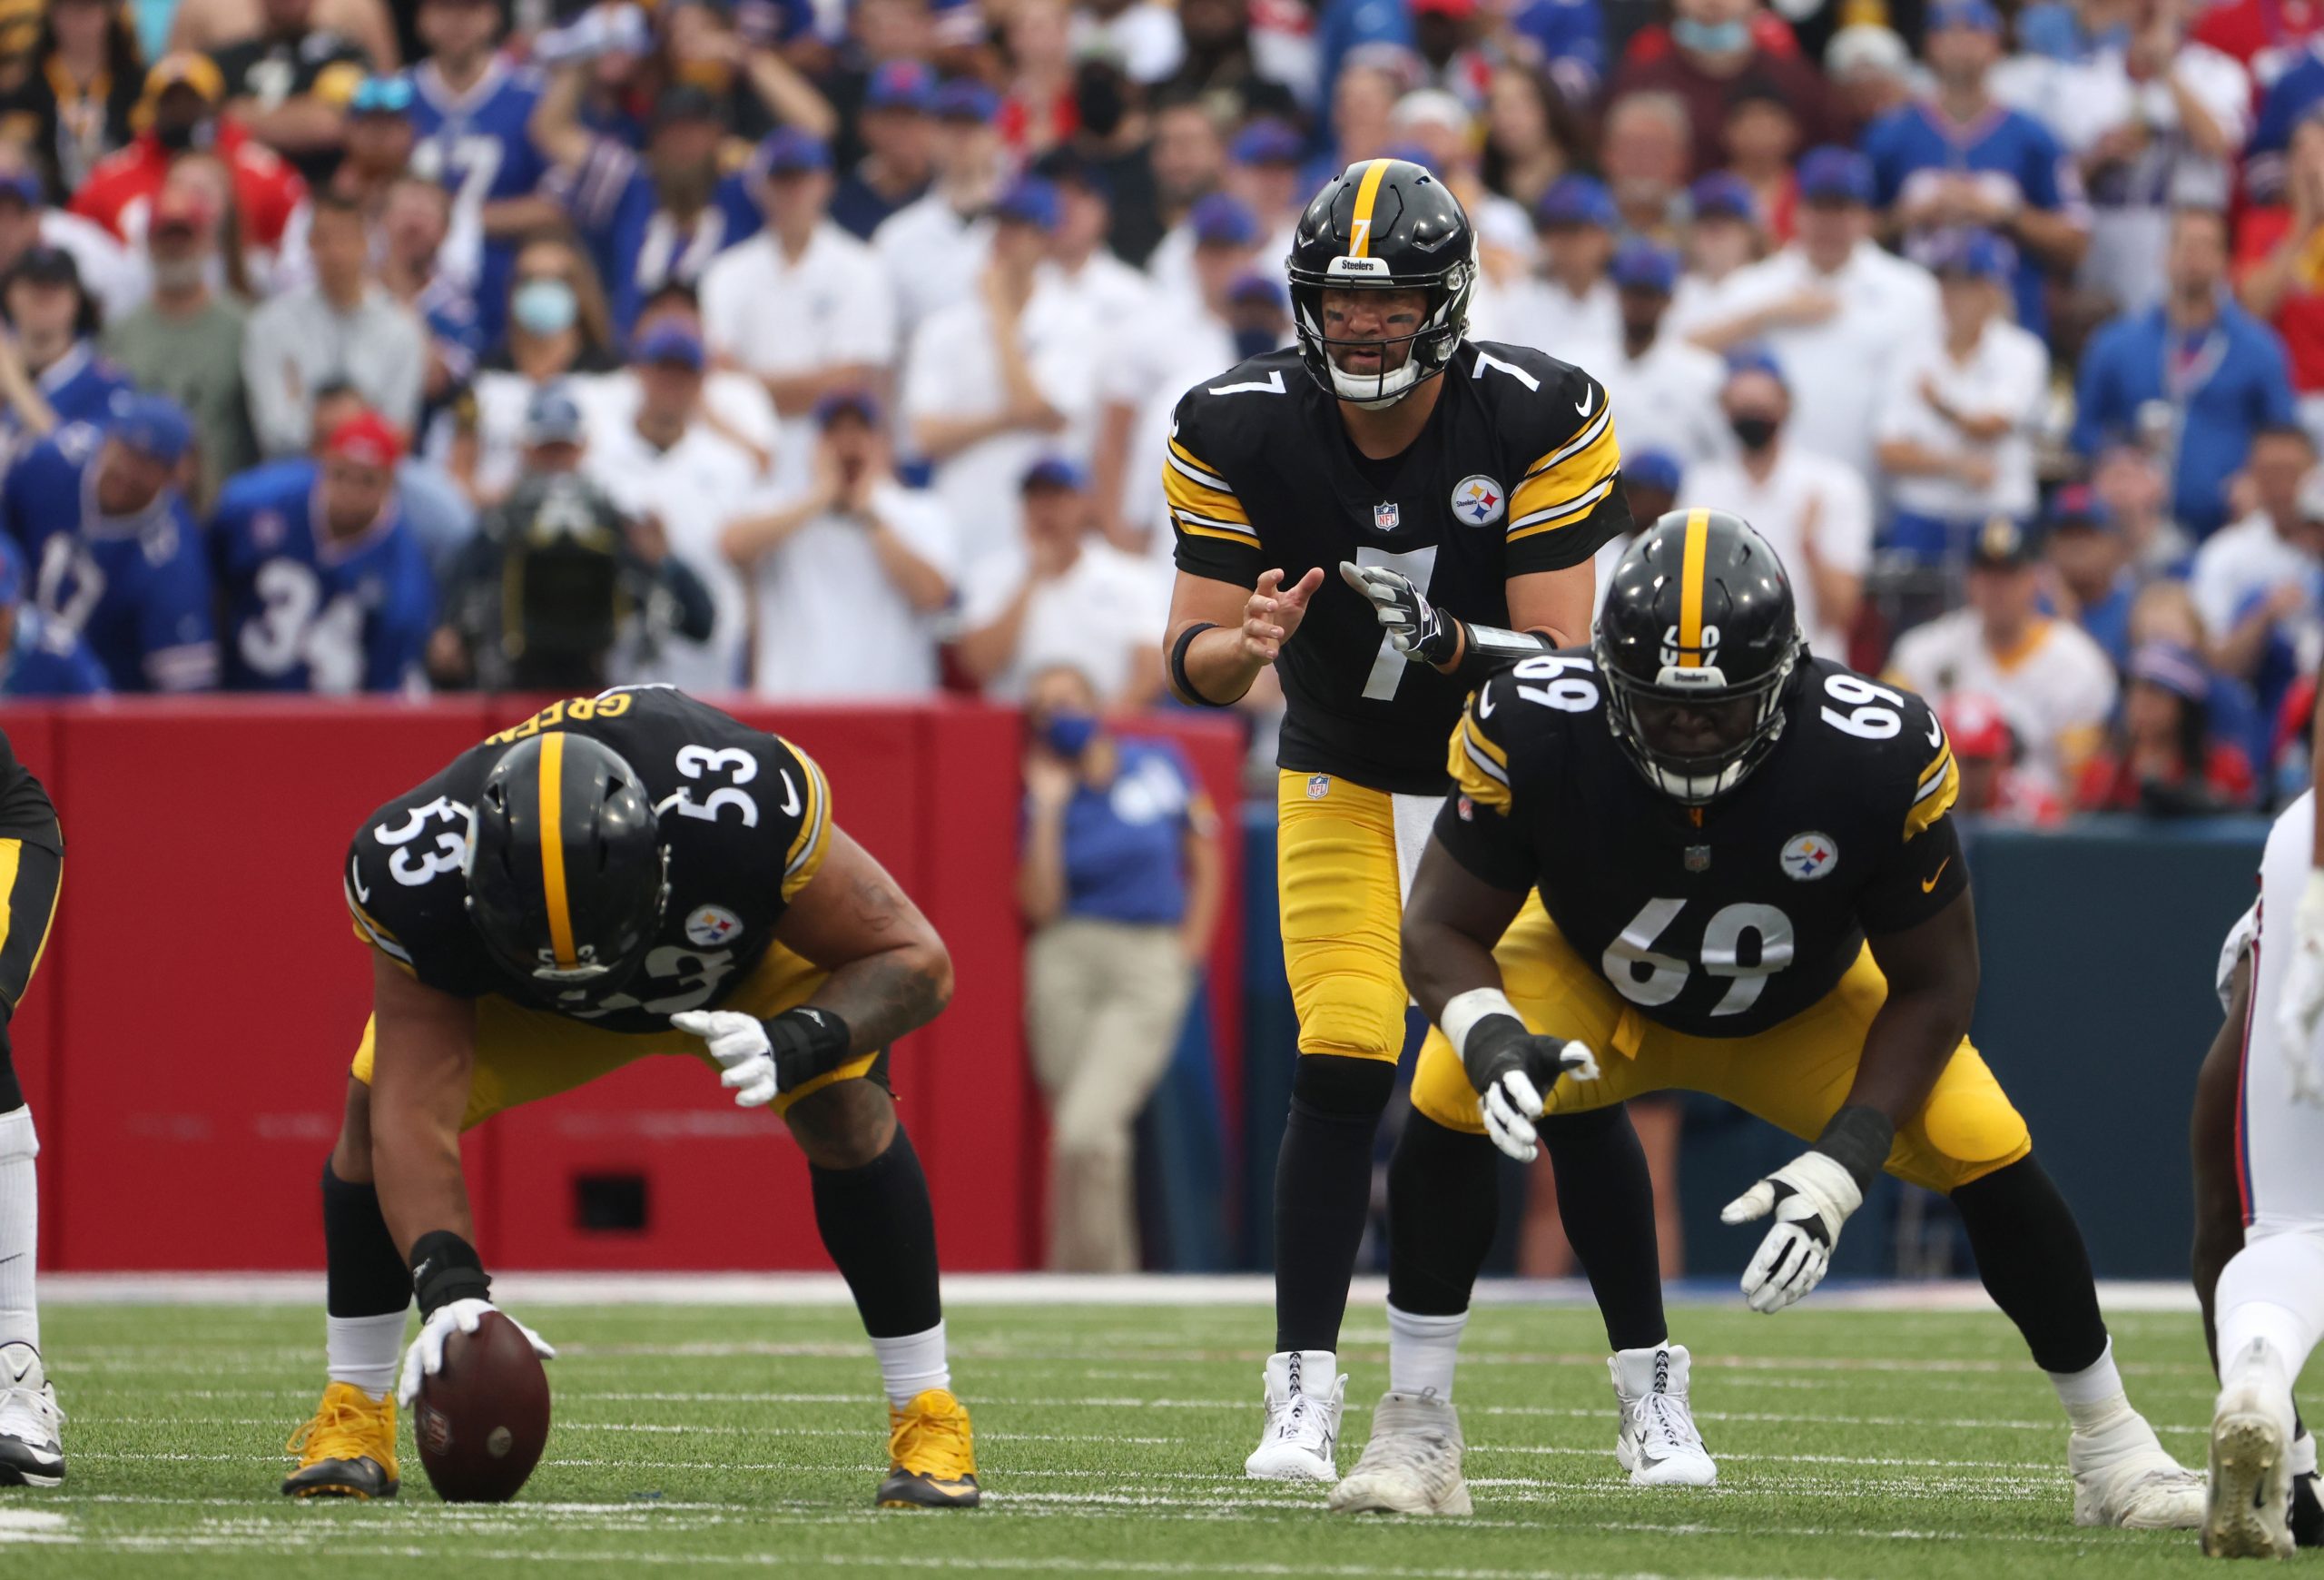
803	305
2053	684
850	578
1722	240
933	247
1815	511
1664	391
1645	147
1568	309
1000	379
1191	163
2257	583
1957	420
667	465
1112	292
1268	169
1650	479
1073	599
1441	133
733	403
1833	307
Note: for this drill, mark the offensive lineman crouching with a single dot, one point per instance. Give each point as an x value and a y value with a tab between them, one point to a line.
623	875
1752	888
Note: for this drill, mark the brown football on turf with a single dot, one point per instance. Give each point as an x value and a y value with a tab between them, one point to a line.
482	1421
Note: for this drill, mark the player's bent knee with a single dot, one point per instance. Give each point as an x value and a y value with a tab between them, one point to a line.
1343	1087
1354	1017
844	1125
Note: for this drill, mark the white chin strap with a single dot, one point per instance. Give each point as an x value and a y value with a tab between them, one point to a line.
1372	392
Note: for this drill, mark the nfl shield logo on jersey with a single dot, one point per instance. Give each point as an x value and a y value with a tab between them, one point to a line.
1318	787
711	926
1806	856
1478	500
1385	517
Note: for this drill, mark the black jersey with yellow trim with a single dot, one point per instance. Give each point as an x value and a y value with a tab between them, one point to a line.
1518	470
25	811
1725	926
745	816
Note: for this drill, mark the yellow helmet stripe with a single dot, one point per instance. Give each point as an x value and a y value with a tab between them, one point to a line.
560	918
1367	192
1690	589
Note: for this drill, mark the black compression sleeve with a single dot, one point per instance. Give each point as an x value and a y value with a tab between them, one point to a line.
444	1269
1179	676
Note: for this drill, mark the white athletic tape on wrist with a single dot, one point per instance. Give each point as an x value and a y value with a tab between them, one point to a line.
1464	1010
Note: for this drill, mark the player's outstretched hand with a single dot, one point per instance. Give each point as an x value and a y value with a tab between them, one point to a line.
745	1056
425	1358
2301	1007
1272	614
1414	626
1811	1196
1513	1070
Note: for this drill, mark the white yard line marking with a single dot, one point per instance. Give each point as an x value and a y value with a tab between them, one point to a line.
36	1526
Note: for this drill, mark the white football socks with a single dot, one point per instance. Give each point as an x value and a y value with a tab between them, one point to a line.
1423	1352
364	1350
19	1227
2093	1392
911	1365
2273	1288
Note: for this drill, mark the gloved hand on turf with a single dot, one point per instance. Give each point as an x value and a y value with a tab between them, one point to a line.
1811	1196
762	1059
2301	1007
1513	1070
425	1358
1414	626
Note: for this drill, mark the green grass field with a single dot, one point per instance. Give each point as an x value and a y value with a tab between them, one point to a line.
1855	1444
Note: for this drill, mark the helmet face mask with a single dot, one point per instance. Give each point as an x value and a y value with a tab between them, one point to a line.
1383	225
1693	742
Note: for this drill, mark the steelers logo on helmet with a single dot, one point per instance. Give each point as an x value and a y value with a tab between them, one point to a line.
1808	857
1698	642
1387	226
1478	500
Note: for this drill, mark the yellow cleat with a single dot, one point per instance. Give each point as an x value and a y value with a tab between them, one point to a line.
348	1449
932	1454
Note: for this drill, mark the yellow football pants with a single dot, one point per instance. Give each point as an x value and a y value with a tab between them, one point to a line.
1794	1076
525	1054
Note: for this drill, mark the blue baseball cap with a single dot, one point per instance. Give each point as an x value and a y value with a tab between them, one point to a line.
2078	505
153	425
552	417
1267	143
1577	199
1835	174
1220	221
1653	469
382	96
1979	15
667	344
962	100
2177	669
1253	287
900	84
1754	358
859	404
1052	471
24	186
1640	265
1028	200
788	151
1724	194
1976	253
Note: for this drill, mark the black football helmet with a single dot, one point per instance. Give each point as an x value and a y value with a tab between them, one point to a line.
1384	224
1698	642
568	879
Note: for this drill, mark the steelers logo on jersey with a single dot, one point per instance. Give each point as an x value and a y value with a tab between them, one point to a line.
1478	500
1807	856
710	925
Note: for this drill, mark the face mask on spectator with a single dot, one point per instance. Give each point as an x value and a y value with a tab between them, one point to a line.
1710	37
1753	431
1068	735
545	307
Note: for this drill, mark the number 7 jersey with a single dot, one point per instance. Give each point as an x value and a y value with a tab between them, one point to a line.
1725	926
744	816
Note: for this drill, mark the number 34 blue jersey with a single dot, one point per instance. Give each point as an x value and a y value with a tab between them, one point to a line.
307	614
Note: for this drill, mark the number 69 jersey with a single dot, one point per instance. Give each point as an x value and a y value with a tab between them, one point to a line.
1726	924
745	818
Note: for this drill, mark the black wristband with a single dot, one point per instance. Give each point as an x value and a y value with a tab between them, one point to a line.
1488	1044
1857	1140
444	1269
807	1041
1179	676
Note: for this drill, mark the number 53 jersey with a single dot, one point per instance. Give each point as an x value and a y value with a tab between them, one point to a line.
1726	926
745	818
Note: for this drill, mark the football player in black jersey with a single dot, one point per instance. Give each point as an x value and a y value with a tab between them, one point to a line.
1384	514
1770	905
622	875
32	862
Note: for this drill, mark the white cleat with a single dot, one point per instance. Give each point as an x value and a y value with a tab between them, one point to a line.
32	1453
2249	1511
1303	1430
1658	1444
1411	1464
2123	1477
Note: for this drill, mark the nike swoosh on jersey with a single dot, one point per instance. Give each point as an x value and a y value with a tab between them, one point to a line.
1589	398
1484	705
1936	731
792	792
1928	883
355	876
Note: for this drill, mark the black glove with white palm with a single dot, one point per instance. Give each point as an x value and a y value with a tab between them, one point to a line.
1437	636
759	1060
1511	1068
1810	1198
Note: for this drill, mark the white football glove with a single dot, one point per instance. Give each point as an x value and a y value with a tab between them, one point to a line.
739	1042
1811	1196
1414	626
2302	1005
425	1358
1514	1101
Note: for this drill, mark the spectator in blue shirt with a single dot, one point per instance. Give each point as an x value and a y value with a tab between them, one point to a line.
2197	373
899	133
39	657
55	321
1120	882
2092	582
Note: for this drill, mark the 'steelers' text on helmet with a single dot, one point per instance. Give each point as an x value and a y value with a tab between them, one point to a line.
1700	617
568	879
1383	224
